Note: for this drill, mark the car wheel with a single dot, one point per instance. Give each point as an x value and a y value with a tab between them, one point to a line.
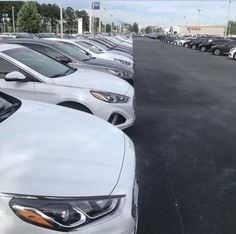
194	47
203	49
217	52
186	45
234	57
75	106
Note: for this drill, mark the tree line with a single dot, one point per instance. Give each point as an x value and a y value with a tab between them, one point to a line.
34	17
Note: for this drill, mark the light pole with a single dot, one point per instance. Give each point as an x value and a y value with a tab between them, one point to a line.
227	19
13	20
198	16
61	19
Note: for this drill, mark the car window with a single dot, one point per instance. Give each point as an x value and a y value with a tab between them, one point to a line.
89	46
49	52
6	67
73	50
39	62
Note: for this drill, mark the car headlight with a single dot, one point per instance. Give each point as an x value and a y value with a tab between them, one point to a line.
123	62
110	97
120	73
63	214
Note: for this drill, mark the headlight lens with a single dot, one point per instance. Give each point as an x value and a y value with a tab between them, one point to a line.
110	97
63	214
123	62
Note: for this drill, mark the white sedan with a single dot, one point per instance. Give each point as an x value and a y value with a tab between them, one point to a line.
232	53
97	54
64	171
27	74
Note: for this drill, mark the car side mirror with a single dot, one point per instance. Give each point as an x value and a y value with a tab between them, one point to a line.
15	76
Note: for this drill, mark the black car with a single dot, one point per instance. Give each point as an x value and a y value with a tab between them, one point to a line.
195	43
204	47
75	57
223	49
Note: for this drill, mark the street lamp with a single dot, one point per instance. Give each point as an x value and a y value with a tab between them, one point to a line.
227	20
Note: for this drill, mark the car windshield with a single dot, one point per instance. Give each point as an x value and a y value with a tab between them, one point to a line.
73	50
91	47
39	62
8	106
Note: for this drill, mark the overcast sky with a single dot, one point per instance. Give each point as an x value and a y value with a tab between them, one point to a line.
160	12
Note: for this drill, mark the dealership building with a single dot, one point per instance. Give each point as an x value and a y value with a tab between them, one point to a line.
216	30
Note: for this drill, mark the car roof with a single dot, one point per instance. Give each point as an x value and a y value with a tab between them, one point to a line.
33	41
5	46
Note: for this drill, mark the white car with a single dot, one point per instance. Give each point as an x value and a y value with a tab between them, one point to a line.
95	53
182	41
93	45
64	171
27	74
232	53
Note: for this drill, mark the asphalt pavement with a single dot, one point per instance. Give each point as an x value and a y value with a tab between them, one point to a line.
185	137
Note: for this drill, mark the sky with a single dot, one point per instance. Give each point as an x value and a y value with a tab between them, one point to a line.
160	12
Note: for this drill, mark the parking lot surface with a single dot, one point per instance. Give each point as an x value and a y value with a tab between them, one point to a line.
185	137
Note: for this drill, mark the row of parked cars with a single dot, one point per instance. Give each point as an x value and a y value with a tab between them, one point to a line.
65	164
215	45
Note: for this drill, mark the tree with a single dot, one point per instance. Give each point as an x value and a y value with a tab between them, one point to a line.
6	10
135	28
231	28
108	28
50	14
85	17
148	29
29	19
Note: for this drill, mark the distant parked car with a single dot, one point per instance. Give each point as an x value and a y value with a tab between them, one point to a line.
64	171
223	49
194	44
28	74
206	46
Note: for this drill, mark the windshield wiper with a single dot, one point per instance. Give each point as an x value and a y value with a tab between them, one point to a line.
67	72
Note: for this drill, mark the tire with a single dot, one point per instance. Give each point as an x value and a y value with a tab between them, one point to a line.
203	49
194	47
75	106
234	57
217	52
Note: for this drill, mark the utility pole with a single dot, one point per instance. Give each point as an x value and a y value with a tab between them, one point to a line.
61	17
91	17
13	20
227	20
198	17
100	20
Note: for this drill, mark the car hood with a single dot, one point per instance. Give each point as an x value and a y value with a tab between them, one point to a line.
110	56
108	63
91	79
54	151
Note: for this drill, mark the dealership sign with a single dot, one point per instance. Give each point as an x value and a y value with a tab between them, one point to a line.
96	5
194	28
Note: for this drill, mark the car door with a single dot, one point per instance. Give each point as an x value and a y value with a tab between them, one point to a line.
19	89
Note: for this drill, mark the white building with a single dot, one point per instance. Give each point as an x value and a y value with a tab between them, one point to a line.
214	30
